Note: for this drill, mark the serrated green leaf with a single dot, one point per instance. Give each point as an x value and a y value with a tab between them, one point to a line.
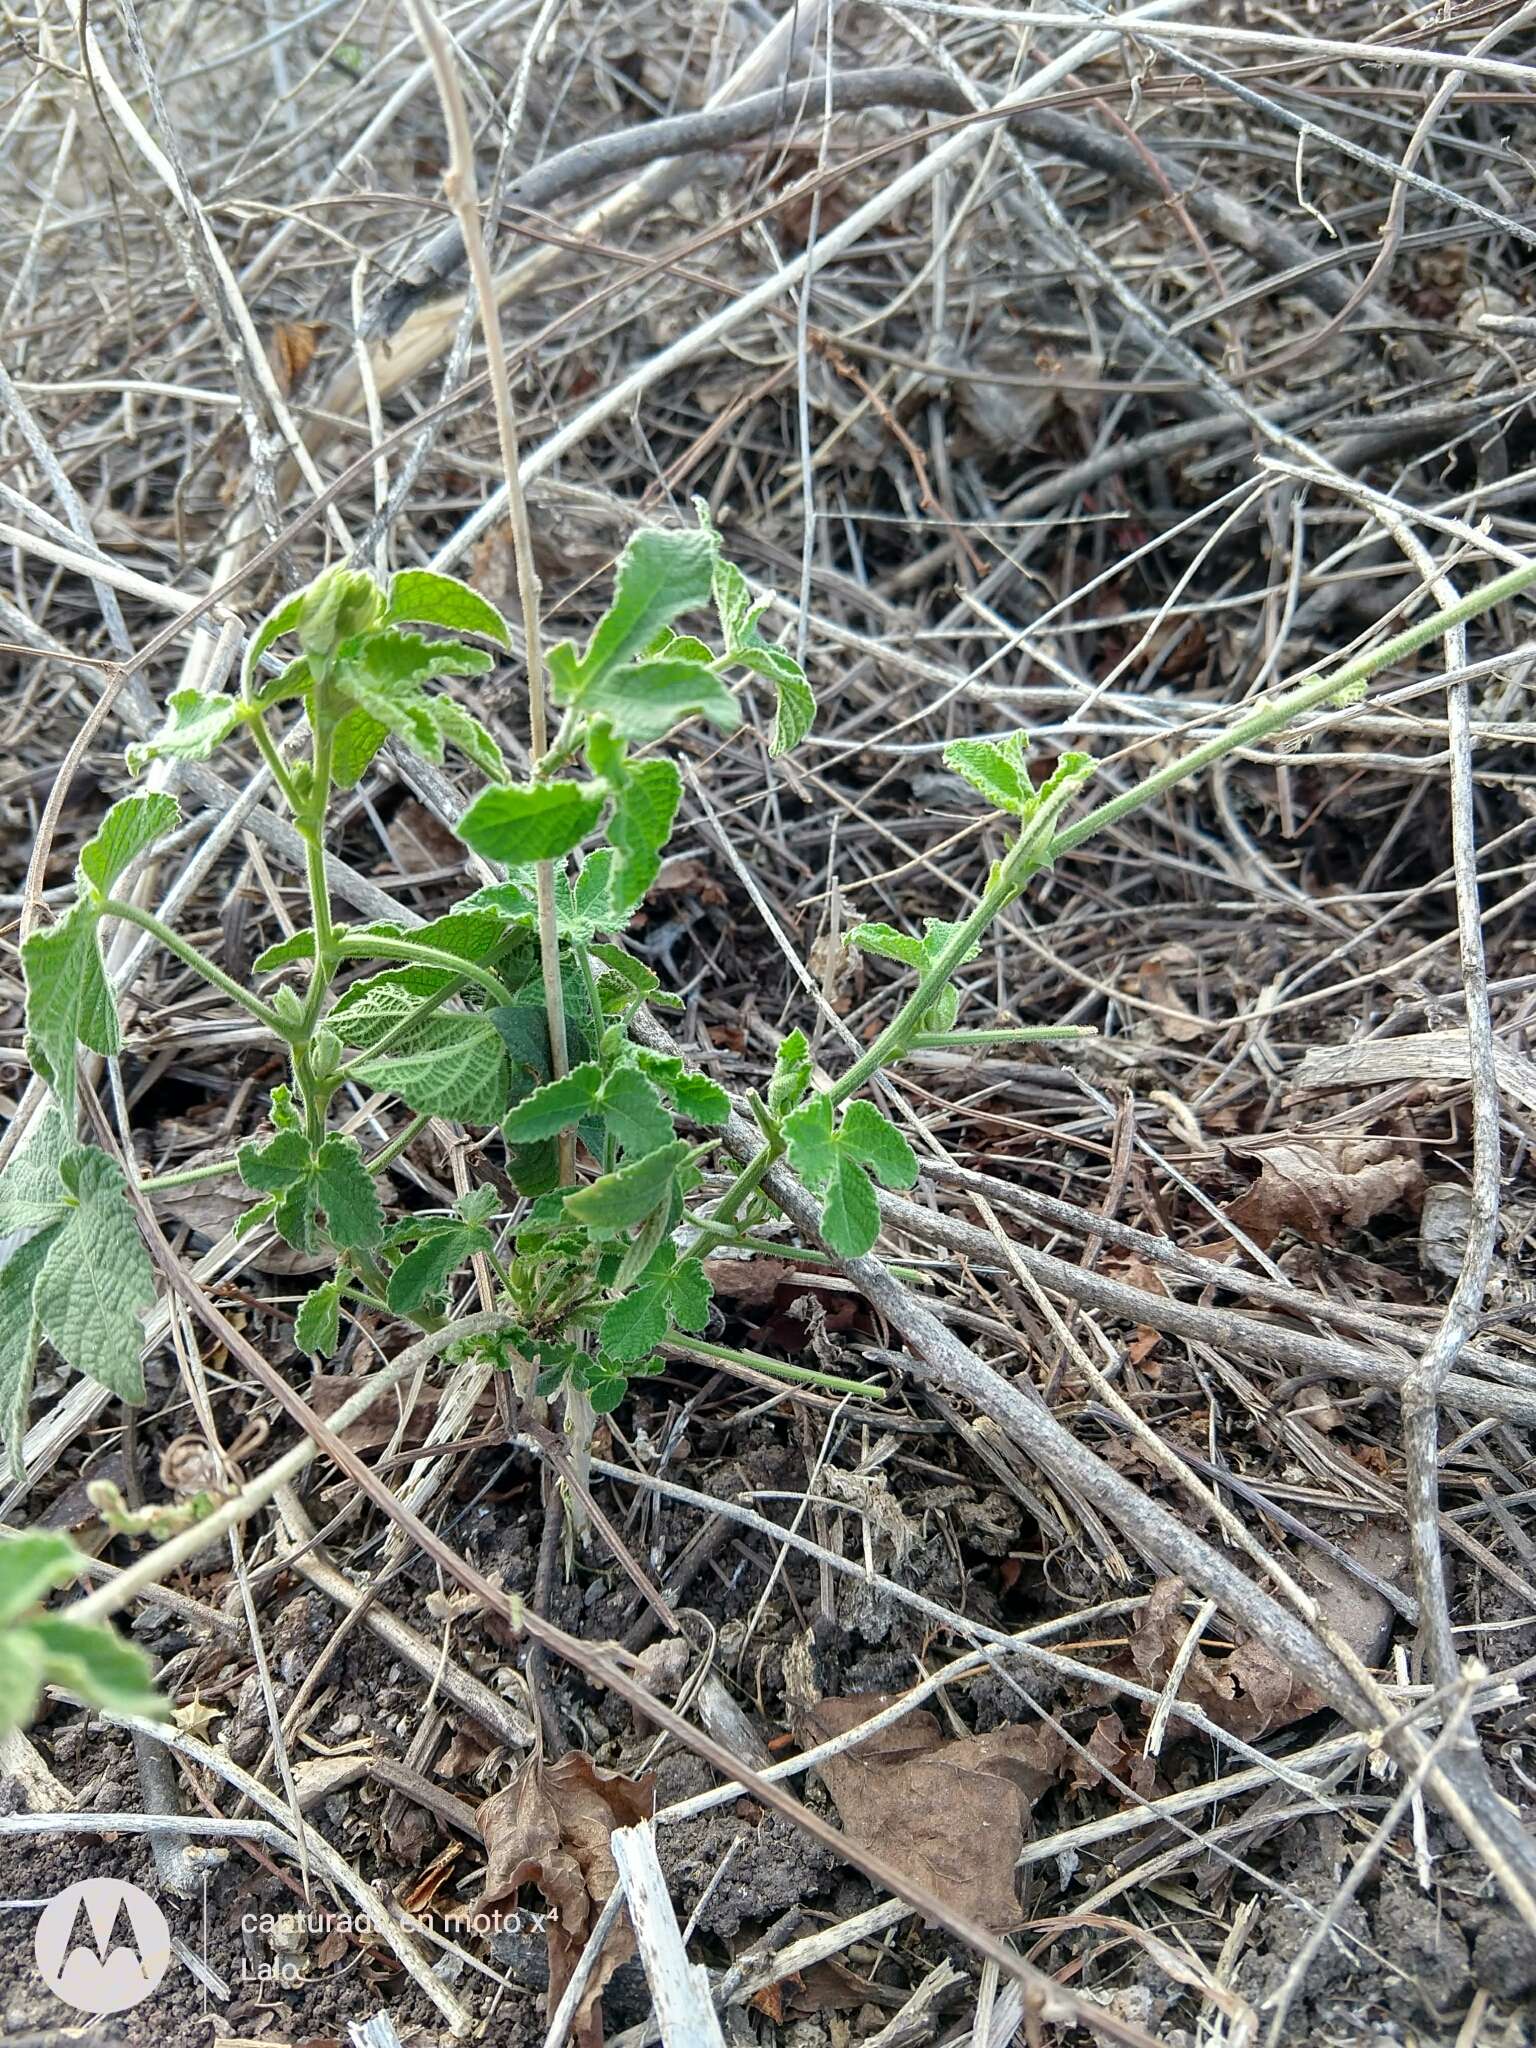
357	737
644	700
21	1678
454	1066
987	768
644	808
20	1334
621	1199
68	1001
606	1395
877	1143
33	1565
317	1326
424	1272
95	1278
734	608
99	1666
519	823
459	728
633	1113
888	943
791	1074
794	712
555	1107
812	1146
130	828
659	575
850	1216
273	1165
1070	772
195	725
31	1193
702	1100
635	1324
476	1206
421	597
345	1190
690	1292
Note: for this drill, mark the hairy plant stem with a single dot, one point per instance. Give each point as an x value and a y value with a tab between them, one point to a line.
271	754
1293	704
774	1368
199	962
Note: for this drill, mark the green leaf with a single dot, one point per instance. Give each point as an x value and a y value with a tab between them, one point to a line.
68	1001
459	728
888	943
298	945
421	597
791	1074
20	1334
455	1066
317	1326
534	1169
476	1206
632	1110
357	737
690	1292
95	1278
21	1678
424	1272
659	575
794	713
338	607
90	1660
734	606
554	1107
195	725
607	1394
812	1146
1063	782
635	1324
31	1193
644	807
276	1164
850	1216
878	1145
518	823
345	1190
794	702
702	1100
32	1566
626	1197
644	700
272	628
132	825
995	768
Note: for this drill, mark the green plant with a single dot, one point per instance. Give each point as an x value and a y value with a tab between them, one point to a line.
38	1648
606	1266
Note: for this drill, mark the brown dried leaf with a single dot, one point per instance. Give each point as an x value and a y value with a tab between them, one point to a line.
551	1828
293	350
753	1281
1328	1183
690	878
1249	1693
953	1815
1173	1016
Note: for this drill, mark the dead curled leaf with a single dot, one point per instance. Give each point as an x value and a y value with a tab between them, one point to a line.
1328	1184
952	1815
551	1828
1248	1693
